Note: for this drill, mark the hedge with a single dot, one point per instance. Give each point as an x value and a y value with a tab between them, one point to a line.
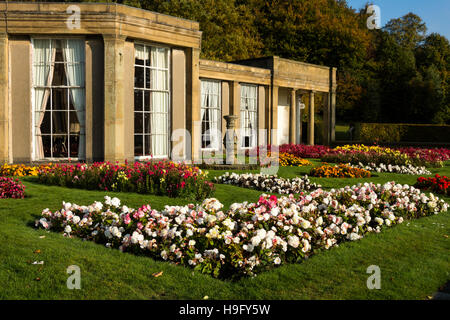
399	132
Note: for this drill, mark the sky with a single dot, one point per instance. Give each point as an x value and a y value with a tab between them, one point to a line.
435	13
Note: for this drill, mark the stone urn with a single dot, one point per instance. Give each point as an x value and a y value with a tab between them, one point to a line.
230	139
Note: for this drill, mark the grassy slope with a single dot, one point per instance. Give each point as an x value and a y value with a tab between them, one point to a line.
413	257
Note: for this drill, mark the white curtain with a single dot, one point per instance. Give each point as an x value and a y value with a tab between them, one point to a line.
140	53
210	111
159	102
249	113
43	58
73	53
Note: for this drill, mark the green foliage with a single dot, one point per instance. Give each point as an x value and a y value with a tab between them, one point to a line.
380	132
408	31
388	132
229	29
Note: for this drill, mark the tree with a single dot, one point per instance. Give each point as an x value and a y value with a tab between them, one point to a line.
229	32
409	31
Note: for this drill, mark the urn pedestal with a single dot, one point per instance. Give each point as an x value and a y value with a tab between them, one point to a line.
230	139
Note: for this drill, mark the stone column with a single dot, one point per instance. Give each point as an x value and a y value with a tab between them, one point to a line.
311	119
5	119
332	116
326	119
235	99
274	116
332	104
292	118
193	121
114	97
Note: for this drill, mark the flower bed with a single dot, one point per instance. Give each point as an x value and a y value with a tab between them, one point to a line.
268	183
10	188
290	160
409	169
436	184
364	148
435	155
298	150
356	157
20	170
304	151
248	238
161	178
376	154
339	171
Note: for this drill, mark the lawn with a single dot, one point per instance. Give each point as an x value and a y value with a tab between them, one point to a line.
413	257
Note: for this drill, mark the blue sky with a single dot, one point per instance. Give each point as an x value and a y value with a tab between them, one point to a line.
435	13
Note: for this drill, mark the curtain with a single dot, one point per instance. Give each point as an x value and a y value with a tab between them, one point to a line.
73	53
43	58
140	53
210	111
159	102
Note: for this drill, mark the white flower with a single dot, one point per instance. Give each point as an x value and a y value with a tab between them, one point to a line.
277	260
76	219
98	205
115	202
305	224
293	241
353	236
191	242
275	211
67	229
67	206
255	240
319	221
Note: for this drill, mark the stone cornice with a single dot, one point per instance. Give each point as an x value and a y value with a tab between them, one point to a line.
233	72
98	18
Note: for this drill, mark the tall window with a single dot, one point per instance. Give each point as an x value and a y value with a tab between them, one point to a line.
210	114
151	101
58	98
249	116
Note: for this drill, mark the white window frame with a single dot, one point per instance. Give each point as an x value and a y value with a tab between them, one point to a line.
33	107
240	114
219	112
168	91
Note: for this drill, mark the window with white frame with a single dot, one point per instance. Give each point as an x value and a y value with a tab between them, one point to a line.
249	115
58	98
210	114
151	101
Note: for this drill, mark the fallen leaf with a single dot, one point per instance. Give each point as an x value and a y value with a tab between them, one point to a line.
38	262
38	279
157	274
205	298
37	251
42	237
445	236
430	297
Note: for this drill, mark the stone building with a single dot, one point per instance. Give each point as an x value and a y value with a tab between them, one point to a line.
97	82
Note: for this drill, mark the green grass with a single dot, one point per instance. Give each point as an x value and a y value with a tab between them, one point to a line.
413	257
